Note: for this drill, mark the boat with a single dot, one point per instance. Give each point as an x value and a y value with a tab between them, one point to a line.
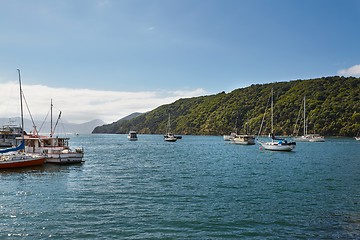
55	149
132	136
16	157
357	138
244	139
169	137
229	137
8	135
308	137
276	144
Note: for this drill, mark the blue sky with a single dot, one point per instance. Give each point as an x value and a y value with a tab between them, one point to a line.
106	52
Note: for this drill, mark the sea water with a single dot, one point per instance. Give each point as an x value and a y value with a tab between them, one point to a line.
199	187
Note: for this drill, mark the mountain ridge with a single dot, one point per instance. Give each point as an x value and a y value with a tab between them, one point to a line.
63	127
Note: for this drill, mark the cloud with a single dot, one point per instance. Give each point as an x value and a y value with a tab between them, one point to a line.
352	71
82	105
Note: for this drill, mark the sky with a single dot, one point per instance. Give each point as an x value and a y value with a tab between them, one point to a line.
105	59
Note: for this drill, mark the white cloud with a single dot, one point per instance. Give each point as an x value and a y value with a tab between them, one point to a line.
352	71
82	105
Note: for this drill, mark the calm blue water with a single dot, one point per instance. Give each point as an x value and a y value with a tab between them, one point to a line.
199	187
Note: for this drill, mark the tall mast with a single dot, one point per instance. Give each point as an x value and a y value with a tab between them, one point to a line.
305	130
51	120
169	128
272	111
21	108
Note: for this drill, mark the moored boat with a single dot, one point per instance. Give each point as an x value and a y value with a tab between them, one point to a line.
308	137
55	149
132	136
16	157
20	160
244	139
8	135
169	137
229	137
276	144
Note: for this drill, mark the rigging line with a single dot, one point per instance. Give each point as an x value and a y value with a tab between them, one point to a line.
262	122
296	129
32	119
44	121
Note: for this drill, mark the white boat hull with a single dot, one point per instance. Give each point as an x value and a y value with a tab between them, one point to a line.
244	140
310	138
64	158
276	146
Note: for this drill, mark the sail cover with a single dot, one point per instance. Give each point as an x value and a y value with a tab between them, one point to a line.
20	147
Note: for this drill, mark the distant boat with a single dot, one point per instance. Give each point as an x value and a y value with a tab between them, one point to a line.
357	138
229	137
308	137
132	136
232	135
244	139
276	144
169	137
16	157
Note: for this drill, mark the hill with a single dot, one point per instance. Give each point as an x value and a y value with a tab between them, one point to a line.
333	108
113	127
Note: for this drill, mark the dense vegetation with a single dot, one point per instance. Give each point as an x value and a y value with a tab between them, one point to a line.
332	108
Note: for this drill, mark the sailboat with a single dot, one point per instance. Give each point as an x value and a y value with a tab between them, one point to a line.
56	149
308	137
169	137
276	144
357	138
16	157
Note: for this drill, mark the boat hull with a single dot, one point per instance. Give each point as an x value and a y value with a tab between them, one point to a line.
244	140
173	139
64	158
20	162
275	146
310	138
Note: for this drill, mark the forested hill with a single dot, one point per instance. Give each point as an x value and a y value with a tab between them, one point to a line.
332	109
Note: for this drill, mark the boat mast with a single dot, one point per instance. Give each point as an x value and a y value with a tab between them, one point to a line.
51	120
169	128
272	111
21	108
305	130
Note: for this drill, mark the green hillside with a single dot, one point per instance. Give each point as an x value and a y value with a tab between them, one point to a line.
332	107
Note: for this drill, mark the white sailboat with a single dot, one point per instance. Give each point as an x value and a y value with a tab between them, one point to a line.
169	137
276	144
308	137
357	138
